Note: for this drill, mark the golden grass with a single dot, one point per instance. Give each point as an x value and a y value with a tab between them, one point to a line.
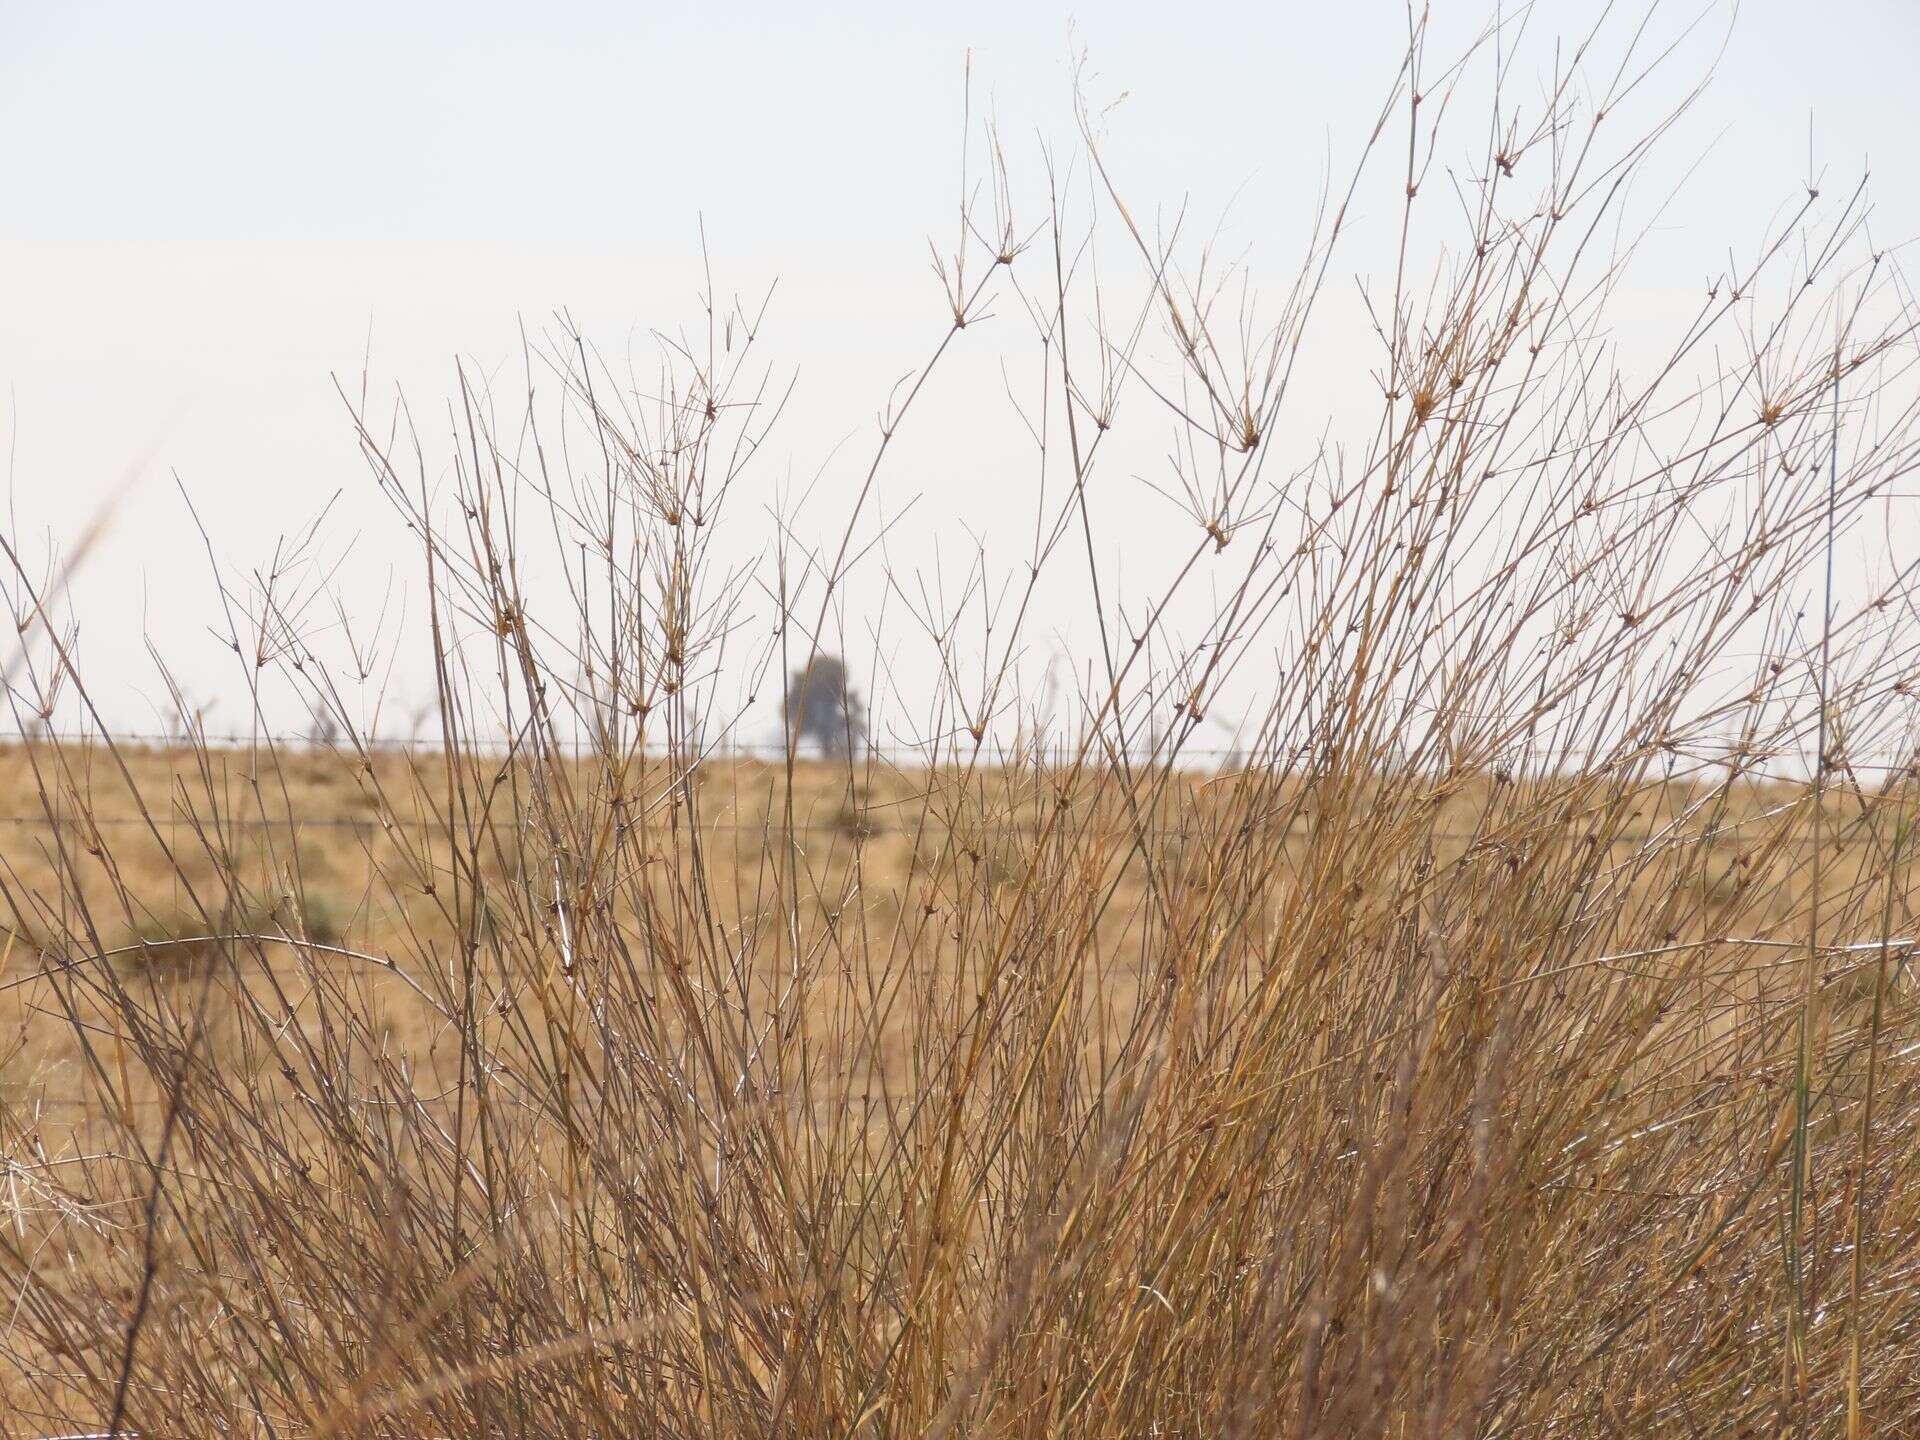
1617	1112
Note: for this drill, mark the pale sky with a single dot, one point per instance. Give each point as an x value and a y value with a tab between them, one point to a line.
211	208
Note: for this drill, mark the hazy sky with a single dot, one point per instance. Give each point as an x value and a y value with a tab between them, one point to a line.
211	208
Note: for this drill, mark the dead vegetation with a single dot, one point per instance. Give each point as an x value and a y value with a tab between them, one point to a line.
1512	1041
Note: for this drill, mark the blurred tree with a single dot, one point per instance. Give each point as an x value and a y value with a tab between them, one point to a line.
323	729
821	707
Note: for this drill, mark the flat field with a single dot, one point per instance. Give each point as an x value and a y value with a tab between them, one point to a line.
466	1091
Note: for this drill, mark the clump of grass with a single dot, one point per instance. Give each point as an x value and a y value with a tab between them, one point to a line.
1424	1074
178	941
856	820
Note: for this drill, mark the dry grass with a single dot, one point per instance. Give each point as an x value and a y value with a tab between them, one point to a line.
1507	1043
1523	1059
